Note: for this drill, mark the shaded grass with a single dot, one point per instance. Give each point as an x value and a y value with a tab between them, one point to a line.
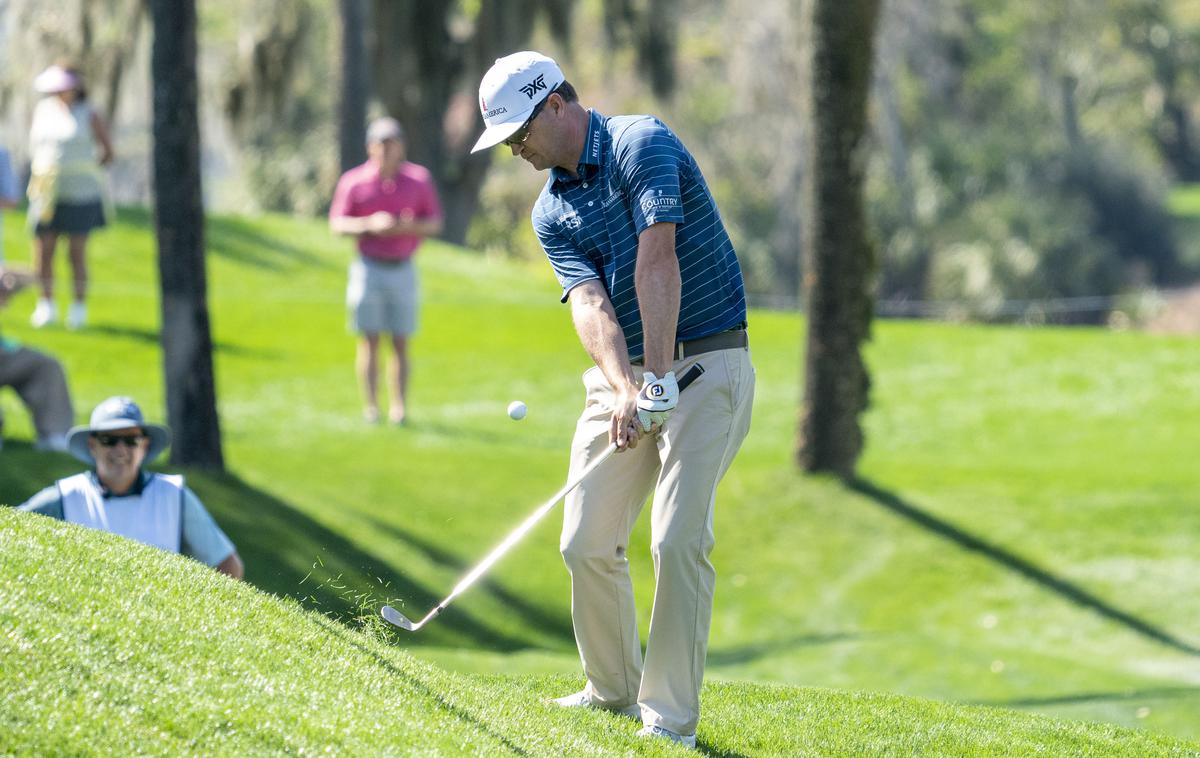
1064	450
125	649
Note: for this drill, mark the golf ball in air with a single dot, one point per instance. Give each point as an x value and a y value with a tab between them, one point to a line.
516	410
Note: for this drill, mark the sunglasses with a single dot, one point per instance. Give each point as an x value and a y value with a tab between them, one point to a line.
519	136
110	440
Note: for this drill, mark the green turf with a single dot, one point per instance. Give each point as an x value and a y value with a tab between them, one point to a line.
116	648
1025	535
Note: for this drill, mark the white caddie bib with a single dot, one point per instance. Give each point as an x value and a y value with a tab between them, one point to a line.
154	517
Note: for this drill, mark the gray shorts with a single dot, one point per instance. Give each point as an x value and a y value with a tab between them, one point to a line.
382	297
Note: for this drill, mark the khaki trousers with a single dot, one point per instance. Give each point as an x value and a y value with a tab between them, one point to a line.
682	465
40	382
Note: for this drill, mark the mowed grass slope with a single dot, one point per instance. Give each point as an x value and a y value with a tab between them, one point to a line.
1025	535
116	648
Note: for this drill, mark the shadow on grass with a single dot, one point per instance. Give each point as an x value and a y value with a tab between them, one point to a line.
150	336
1022	566
545	621
288	553
1154	693
419	686
285	551
25	471
733	656
241	240
238	239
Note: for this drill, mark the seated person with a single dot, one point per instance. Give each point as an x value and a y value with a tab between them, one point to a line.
36	377
119	497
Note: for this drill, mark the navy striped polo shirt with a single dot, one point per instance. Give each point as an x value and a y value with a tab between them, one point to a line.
635	172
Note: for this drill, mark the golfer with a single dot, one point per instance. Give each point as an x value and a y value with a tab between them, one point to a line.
637	243
390	205
118	496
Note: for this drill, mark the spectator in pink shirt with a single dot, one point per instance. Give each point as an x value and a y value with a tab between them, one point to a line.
390	205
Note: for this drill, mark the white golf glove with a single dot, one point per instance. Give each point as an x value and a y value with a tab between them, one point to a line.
657	399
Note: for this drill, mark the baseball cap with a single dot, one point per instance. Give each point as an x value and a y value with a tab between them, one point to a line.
55	79
117	413
509	92
385	128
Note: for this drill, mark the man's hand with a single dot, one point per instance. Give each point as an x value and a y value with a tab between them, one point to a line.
656	400
379	223
13	281
626	428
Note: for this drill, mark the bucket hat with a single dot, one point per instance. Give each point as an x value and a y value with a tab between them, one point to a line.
112	414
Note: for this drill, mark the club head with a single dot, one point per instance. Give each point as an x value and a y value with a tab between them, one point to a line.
396	618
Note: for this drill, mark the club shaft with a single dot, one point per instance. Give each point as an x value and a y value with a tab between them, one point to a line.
516	535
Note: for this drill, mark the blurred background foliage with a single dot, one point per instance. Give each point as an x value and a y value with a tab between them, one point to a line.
1021	152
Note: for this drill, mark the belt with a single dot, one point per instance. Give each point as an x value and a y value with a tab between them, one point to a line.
384	261
720	341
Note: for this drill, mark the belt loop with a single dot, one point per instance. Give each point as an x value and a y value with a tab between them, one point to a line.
679	351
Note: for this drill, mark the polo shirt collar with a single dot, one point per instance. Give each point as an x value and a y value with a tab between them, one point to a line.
139	484
589	160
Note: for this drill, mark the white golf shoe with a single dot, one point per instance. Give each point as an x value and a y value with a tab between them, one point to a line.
77	316
687	740
581	700
44	314
54	442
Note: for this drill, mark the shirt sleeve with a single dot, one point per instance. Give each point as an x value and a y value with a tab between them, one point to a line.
341	205
8	180
431	207
571	265
650	160
202	538
48	502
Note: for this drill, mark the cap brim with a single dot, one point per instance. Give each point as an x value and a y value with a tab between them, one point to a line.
160	438
496	134
53	81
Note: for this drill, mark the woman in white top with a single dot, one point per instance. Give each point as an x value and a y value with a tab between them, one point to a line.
69	143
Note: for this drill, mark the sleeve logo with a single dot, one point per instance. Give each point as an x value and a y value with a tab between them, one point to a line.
650	204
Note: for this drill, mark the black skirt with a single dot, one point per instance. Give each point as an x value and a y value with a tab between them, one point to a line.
74	218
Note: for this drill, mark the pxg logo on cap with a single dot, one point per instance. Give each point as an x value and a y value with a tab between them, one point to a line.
509	92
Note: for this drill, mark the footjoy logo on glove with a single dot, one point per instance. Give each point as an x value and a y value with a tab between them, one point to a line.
537	85
657	390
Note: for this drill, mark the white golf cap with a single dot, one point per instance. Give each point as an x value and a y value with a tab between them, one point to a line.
509	92
55	79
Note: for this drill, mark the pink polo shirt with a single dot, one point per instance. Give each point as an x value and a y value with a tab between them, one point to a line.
362	191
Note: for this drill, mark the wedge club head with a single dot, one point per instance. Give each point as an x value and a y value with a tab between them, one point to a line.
396	618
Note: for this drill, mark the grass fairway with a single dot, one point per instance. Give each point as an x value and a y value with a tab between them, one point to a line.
114	648
1026	533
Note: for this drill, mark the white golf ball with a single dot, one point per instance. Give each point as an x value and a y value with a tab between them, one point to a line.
516	410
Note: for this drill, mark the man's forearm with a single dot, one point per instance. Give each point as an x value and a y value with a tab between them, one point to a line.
426	227
349	225
658	283
601	335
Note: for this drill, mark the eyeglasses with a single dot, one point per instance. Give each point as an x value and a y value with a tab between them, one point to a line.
109	440
519	136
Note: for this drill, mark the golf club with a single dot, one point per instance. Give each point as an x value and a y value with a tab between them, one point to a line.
395	617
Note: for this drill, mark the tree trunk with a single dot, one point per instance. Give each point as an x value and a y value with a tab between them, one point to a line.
179	219
356	87
840	258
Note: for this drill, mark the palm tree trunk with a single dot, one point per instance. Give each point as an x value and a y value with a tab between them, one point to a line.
839	256
179	219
